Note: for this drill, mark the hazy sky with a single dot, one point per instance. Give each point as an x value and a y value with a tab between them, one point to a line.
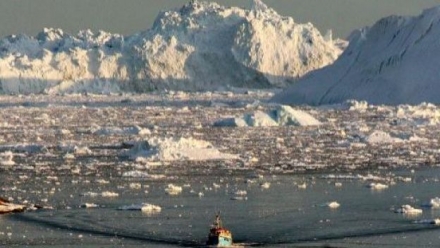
130	16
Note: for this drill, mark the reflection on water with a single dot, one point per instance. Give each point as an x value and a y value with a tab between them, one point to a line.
285	214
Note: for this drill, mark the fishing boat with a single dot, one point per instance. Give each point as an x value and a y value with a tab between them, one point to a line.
218	235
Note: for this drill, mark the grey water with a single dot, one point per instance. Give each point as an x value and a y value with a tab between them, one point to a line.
283	215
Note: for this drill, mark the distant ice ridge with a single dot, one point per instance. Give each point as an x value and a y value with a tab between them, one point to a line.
279	116
393	62
201	46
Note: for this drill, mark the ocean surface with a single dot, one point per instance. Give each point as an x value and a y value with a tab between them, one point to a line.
292	212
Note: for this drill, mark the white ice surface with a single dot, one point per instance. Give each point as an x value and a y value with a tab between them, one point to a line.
200	46
395	61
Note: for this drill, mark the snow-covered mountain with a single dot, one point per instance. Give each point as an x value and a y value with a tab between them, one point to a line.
395	61
201	46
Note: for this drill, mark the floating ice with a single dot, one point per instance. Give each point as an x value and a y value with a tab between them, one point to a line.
378	137
6	159
172	189
265	185
434	203
109	194
103	194
407	209
279	116
171	149
377	186
429	222
144	207
89	205
136	174
240	192
302	186
333	204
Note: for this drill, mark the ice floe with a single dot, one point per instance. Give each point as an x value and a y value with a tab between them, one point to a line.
109	194
408	210
377	186
89	205
6	159
144	207
434	203
428	221
172	189
281	115
333	204
171	149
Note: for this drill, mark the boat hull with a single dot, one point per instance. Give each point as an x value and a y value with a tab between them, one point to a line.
219	241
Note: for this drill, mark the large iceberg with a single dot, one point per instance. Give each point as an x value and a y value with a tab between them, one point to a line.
201	46
393	62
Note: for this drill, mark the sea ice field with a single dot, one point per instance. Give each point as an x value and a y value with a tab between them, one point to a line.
152	170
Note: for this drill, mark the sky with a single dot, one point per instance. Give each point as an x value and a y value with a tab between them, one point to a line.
130	16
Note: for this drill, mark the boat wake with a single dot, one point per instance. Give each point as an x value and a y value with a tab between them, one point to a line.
154	238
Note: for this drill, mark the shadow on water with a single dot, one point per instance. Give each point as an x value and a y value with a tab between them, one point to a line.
298	242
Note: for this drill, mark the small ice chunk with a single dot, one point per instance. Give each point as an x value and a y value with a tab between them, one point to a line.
144	207
6	159
265	185
172	189
302	186
89	205
333	204
407	209
429	222
434	203
240	192
377	186
239	198
109	194
135	186
102	181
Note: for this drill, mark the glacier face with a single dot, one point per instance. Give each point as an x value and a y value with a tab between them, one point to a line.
201	46
396	61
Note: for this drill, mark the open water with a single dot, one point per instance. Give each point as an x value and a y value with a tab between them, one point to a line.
283	215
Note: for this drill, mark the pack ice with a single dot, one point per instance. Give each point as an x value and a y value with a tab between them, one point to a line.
393	62
201	46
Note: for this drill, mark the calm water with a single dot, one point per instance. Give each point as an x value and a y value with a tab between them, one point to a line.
281	216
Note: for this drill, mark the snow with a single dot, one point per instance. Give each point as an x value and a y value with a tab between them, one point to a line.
281	115
172	149
201	46
393	62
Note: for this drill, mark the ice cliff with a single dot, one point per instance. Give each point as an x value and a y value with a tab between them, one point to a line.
201	46
393	62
